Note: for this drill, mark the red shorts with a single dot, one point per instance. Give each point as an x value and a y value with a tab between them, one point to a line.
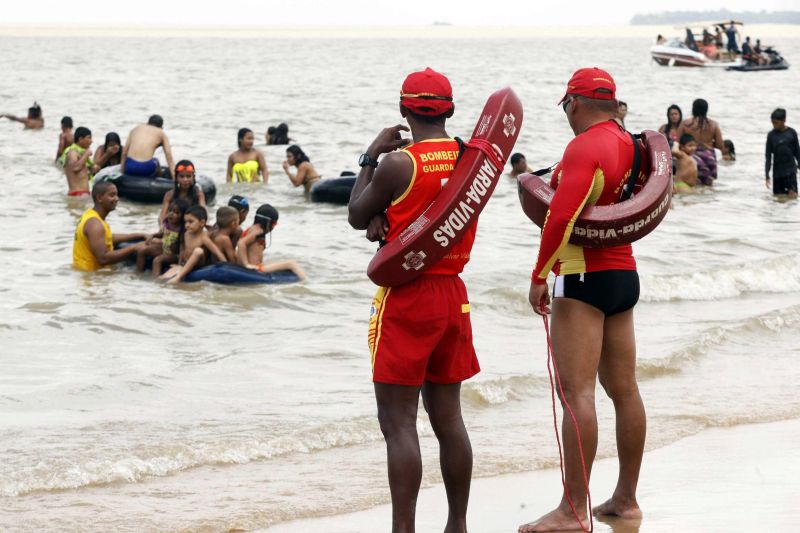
421	331
78	193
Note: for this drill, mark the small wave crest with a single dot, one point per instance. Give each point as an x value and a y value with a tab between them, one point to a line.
502	390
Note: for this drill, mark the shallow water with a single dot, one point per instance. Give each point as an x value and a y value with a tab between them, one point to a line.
126	405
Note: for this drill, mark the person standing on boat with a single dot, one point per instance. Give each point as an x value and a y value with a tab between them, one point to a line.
143	141
731	32
708	135
783	155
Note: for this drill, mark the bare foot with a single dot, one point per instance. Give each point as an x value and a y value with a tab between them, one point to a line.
173	281
557	520
628	510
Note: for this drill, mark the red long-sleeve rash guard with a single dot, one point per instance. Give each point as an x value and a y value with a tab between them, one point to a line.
593	170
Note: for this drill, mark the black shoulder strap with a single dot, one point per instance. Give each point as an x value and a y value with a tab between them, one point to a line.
461	148
627	191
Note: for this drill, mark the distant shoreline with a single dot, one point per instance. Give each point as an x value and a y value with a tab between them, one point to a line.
719	15
372	32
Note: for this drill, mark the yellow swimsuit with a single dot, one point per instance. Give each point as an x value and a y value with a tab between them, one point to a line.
245	172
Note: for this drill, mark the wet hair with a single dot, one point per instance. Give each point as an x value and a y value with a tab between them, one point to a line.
515	158
35	111
699	111
620	103
226	215
112	137
66	122
299	155
239	203
669	122
193	189
730	148
278	134
80	133
270	130
778	114
197	211
686	138
241	134
156	120
100	188
265	216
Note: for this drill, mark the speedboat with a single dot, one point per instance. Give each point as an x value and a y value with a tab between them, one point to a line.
675	53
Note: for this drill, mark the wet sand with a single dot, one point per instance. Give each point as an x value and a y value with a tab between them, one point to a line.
723	479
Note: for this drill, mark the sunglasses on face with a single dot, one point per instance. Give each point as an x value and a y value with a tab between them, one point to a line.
185	168
566	103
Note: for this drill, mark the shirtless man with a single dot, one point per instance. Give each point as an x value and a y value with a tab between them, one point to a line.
78	164
138	155
519	165
686	172
34	120
66	137
708	135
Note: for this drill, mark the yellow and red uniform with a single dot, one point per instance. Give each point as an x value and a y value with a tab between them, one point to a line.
421	331
595	167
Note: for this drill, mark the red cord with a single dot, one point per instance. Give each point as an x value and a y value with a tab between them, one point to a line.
551	359
488	150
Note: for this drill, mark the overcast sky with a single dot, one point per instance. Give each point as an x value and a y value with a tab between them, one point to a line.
259	13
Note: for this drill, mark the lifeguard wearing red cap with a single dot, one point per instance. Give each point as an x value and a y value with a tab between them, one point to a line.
427	92
591	82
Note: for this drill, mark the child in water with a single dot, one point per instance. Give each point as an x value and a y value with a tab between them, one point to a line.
252	244
185	187
164	245
195	241
226	232
685	166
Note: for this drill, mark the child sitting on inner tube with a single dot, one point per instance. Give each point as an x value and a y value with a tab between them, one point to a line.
250	250
164	245
195	242
185	187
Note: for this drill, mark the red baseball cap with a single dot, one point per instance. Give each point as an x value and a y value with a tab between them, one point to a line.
427	92
591	82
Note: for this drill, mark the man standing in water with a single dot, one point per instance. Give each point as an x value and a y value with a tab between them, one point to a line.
783	155
594	294
143	140
93	247
420	335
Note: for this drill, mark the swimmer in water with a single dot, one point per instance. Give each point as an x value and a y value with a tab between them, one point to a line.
65	138
686	167
185	187
252	244
519	165
306	174
110	152
34	120
78	164
246	164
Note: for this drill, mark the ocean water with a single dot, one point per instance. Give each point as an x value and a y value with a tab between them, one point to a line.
127	405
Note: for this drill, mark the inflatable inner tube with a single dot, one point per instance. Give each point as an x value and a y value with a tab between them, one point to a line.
460	201
229	274
334	190
601	226
149	190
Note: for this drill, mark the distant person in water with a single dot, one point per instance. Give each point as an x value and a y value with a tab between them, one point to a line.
622	112
519	165
278	134
138	156
110	152
674	119
685	177
93	246
77	163
306	174
185	187
246	165
252	244
65	138
708	135
782	155
34	120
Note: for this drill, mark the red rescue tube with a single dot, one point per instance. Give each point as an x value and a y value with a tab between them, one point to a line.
461	200
601	226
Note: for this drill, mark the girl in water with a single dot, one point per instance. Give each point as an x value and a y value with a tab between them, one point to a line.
246	163
674	119
306	174
185	187
109	153
164	245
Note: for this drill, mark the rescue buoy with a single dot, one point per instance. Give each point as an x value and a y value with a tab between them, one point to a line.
461	200
601	226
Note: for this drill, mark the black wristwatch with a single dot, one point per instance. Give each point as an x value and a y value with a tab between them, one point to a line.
366	160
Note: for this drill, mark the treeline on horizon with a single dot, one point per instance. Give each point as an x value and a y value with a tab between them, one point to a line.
718	15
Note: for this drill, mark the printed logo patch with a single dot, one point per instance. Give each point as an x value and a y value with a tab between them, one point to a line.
415	260
510	123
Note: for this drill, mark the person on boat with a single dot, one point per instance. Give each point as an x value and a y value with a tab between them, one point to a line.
306	174
691	44
594	295
34	120
77	163
674	119
519	165
252	244
731	32
749	55
110	152
783	155
718	40
65	138
138	155
278	134
246	164
660	40
185	187
708	135
93	246
420	334
685	177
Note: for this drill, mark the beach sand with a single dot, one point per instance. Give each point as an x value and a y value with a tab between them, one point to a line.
743	478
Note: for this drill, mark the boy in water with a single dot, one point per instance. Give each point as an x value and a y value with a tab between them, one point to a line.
250	250
519	165
65	138
783	155
34	120
194	244
78	164
686	167
226	231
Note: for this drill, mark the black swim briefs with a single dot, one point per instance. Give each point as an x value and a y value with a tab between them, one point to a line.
610	291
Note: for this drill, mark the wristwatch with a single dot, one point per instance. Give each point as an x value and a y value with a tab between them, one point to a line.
366	160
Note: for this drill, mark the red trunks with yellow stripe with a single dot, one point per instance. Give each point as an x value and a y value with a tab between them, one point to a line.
421	331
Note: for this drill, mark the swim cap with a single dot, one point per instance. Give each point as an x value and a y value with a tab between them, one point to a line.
265	212
239	202
592	83
427	92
